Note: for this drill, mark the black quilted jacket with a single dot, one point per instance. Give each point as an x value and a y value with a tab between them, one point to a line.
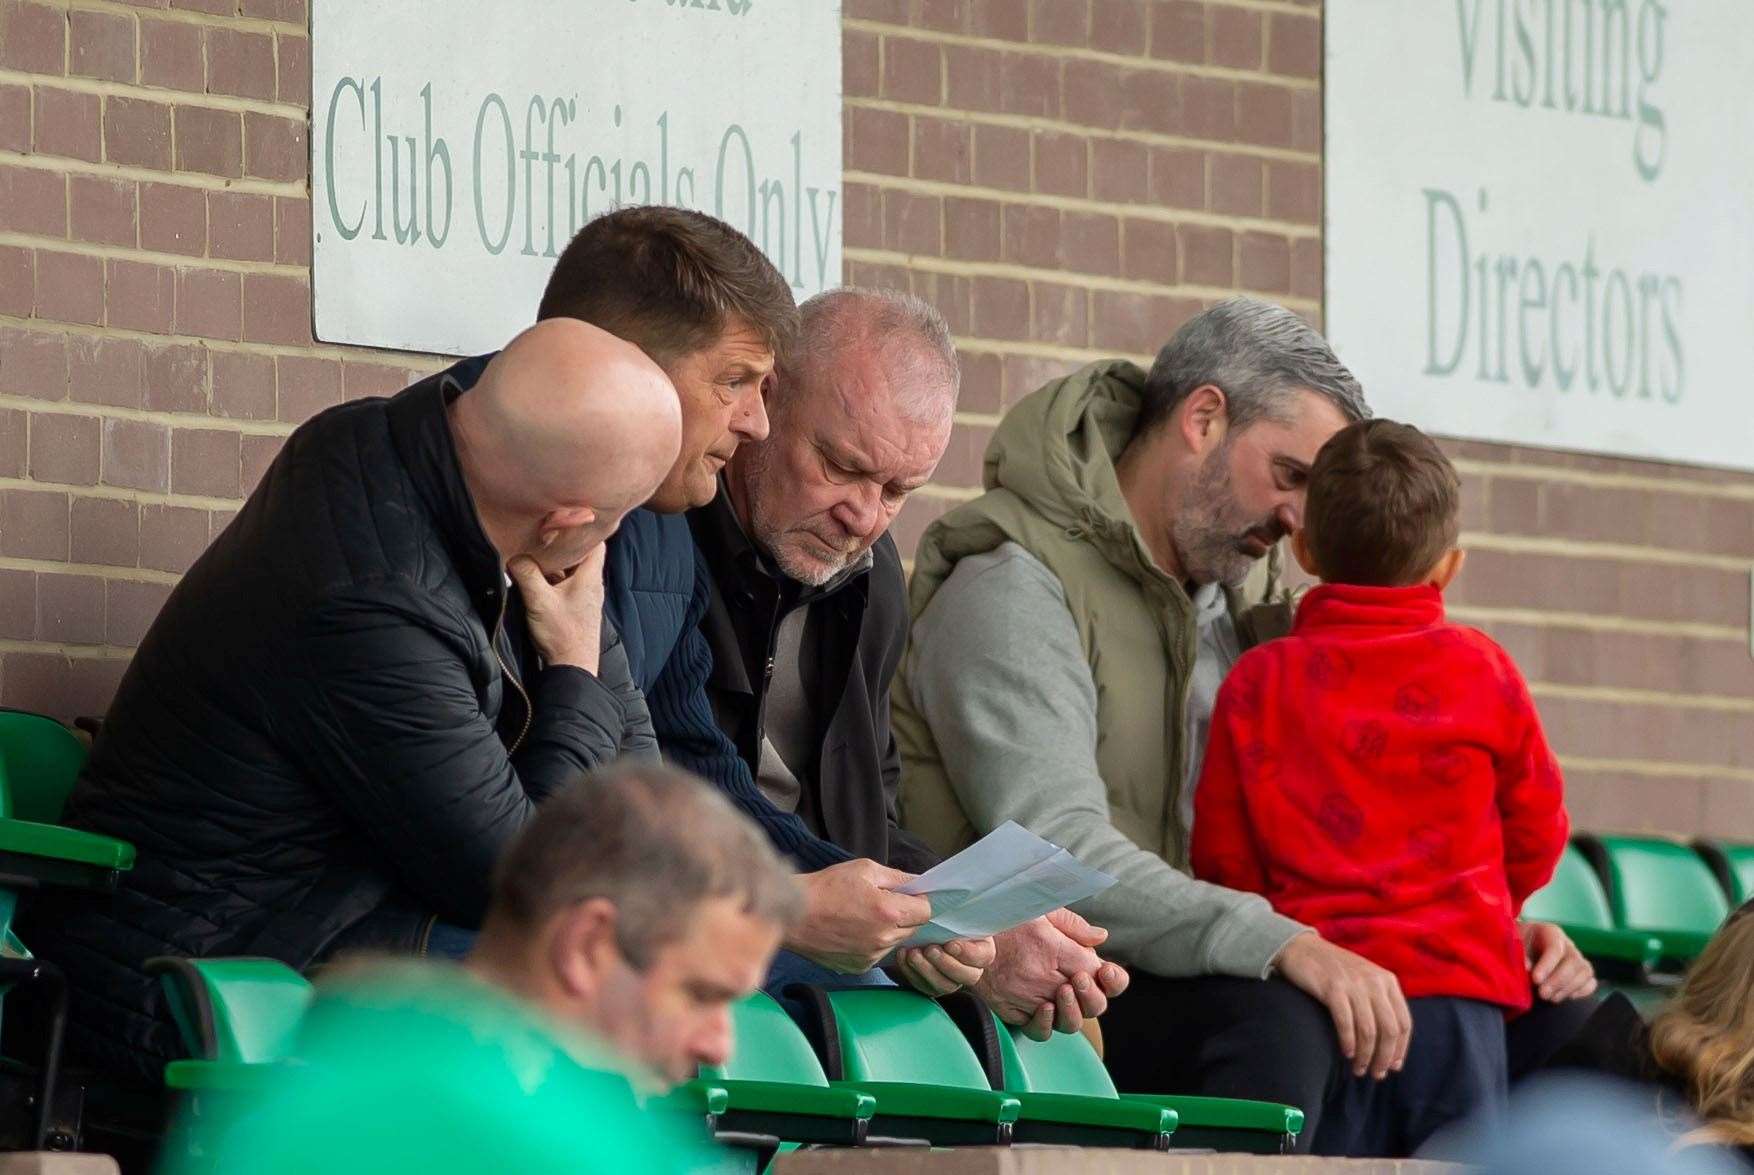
318	743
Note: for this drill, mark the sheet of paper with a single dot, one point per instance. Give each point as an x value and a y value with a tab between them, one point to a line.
1006	878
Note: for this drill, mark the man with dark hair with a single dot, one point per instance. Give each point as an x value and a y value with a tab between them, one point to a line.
361	691
1071	628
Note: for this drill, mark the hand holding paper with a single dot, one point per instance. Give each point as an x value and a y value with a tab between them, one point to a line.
1003	880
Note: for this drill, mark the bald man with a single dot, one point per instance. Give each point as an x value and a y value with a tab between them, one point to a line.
345	711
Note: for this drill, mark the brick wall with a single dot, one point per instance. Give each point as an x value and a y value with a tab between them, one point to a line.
1066	179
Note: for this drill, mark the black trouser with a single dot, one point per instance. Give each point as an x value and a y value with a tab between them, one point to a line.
1267	1041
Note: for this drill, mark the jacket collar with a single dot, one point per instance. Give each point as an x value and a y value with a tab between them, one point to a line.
727	547
421	431
1382	610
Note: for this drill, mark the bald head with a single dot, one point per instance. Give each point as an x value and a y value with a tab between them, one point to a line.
567	429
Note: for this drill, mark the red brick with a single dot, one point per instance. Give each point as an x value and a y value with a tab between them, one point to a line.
171	537
859	63
1062	164
1207	256
18	280
15	123
1178	30
132	606
67	124
361	379
18	605
1004	20
1238	184
70	609
1306	121
1236	37
946	16
1265	263
210	141
971	229
877	140
137	132
33	201
243	386
1024	374
101	210
70	287
105	371
1029	83
292	230
1306	268
206	462
1264	114
1001	157
33	38
240	226
101	45
1209	108
173	219
1152	101
1090	242
1094	94
57	685
1294	45
240	62
972	74
170	55
142	296
1032	235
33	364
884	11
293	69
1058	314
64	448
283	11
862	216
259	453
943	150
1120	171
1294	192
176	378
1136	324
33	524
1060	22
949	292
913	71
916	514
209	303
1001	308
913	224
274	148
307	386
136	455
981	386
277	309
1120	26
1148	251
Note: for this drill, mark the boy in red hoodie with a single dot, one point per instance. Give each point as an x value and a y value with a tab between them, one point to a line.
1382	776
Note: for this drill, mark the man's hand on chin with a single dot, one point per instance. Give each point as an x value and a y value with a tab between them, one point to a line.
1046	975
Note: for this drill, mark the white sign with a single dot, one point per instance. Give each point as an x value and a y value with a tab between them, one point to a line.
456	147
1540	219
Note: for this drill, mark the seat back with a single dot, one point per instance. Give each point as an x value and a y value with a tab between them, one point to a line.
1741	863
244	1011
1064	1063
1574	897
1658	885
39	761
895	1034
767	1046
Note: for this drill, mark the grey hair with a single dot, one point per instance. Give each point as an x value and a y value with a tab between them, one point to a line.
892	321
656	842
1259	354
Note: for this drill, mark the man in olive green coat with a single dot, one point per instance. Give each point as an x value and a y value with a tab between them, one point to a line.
1070	629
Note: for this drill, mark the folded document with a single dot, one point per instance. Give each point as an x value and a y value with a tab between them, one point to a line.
1002	880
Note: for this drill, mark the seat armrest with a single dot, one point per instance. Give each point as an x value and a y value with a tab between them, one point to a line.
1622	946
1222	1113
57	842
1113	1113
776	1097
908	1100
217	1076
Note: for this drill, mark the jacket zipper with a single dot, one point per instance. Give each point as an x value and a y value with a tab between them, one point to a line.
426	935
529	710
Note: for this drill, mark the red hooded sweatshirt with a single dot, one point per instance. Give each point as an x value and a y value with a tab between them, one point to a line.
1382	776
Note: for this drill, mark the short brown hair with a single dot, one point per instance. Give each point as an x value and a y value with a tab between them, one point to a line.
670	281
656	842
1383	505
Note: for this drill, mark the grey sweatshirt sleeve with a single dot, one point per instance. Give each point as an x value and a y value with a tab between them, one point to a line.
1000	674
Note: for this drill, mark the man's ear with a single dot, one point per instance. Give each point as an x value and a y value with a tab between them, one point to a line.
1301	552
1202	417
562	519
1447	568
582	948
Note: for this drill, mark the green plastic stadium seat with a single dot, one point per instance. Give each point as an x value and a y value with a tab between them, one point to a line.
1733	864
906	1049
1576	901
236	1016
1067	1064
1661	888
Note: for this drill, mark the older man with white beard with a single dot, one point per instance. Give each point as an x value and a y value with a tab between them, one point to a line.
807	623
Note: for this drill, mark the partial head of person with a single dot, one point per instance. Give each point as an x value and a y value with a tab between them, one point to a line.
639	905
699	298
567	430
1233	412
861	407
1704	1037
1384	509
